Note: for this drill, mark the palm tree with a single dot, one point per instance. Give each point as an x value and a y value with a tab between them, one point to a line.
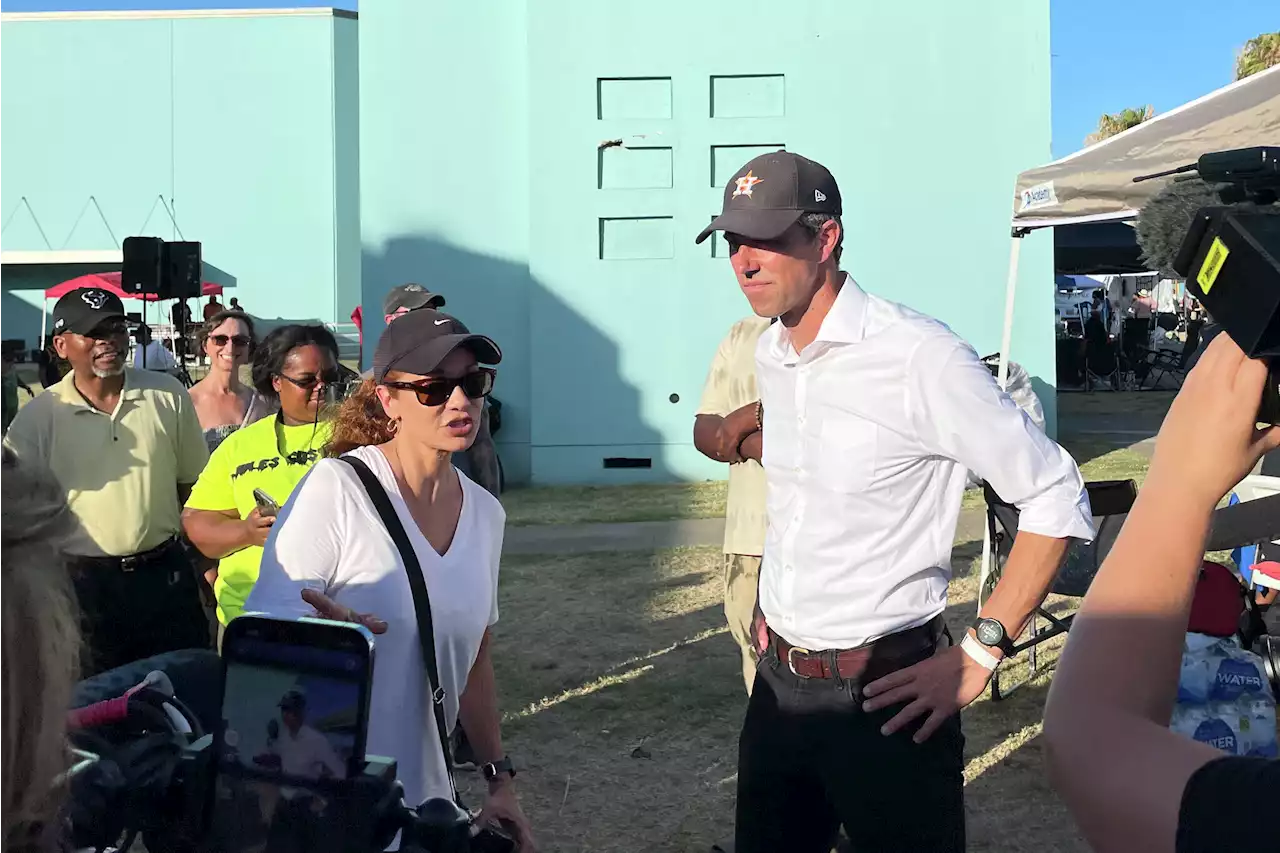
1112	123
1258	54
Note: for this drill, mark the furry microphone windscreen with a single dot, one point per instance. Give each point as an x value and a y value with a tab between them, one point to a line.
1165	219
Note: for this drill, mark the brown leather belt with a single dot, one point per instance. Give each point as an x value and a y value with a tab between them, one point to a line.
873	660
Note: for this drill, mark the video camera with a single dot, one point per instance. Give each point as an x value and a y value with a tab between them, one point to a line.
147	767
1230	251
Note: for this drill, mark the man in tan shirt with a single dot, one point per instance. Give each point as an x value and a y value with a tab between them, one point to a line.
727	429
126	446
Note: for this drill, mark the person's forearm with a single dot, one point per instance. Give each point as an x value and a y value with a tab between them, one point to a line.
718	437
1029	573
215	534
752	446
1125	647
478	707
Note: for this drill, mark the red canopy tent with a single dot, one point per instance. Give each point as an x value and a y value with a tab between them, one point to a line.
109	281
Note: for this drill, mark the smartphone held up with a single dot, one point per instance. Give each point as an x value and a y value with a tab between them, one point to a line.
295	715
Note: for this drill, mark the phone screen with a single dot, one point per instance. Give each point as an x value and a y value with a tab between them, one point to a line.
295	715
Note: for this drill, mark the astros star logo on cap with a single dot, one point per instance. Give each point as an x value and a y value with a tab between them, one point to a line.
745	183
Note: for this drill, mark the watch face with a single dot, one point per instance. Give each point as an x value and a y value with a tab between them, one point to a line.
990	632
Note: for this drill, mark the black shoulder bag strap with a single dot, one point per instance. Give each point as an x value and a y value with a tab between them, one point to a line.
421	601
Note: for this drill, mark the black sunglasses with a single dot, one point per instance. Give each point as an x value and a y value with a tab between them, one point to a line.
239	341
329	377
436	392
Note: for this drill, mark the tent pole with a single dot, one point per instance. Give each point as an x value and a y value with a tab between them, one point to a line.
1006	341
1010	293
44	316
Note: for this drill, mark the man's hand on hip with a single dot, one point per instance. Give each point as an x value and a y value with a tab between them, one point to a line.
937	687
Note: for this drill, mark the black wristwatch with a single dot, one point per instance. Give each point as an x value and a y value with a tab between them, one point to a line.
495	769
991	633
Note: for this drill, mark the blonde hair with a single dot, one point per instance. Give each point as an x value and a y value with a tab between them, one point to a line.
41	649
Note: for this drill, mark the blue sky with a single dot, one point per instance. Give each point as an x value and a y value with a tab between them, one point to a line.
1107	54
1112	54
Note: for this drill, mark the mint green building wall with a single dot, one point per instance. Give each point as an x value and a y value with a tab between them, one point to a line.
483	177
242	126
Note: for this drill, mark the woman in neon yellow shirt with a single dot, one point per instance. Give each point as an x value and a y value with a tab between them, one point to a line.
293	364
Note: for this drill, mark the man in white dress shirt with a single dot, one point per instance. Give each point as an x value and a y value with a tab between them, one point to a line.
873	414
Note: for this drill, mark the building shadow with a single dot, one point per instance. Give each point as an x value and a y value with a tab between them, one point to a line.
21	319
568	415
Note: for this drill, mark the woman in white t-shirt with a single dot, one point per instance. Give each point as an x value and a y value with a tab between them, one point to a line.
330	552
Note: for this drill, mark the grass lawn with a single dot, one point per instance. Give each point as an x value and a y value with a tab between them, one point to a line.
624	699
592	504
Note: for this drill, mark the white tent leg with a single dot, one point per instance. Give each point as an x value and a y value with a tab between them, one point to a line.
1006	341
44	315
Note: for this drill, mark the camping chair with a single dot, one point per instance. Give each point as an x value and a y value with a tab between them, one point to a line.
1111	501
1155	364
1101	362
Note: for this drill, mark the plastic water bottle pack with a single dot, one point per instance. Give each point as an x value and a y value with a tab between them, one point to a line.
1224	698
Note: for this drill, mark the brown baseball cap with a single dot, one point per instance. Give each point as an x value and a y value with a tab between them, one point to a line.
767	195
419	341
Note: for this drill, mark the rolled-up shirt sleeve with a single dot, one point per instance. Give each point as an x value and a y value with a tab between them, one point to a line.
958	411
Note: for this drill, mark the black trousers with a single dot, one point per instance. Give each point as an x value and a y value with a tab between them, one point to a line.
130	615
810	760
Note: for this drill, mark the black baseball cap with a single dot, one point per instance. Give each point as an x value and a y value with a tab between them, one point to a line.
411	296
293	701
767	195
418	341
82	310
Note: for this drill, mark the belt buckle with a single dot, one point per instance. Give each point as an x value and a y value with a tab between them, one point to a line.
791	664
128	564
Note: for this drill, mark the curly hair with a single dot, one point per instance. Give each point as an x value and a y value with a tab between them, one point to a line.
206	328
360	422
269	359
41	649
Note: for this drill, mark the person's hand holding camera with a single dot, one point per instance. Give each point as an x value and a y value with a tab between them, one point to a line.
1210	440
503	809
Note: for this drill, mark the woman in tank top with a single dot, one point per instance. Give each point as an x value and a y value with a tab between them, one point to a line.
223	403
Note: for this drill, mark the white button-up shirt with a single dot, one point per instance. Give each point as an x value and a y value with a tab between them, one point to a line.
869	436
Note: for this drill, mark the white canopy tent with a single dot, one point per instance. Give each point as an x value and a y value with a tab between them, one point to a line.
1096	184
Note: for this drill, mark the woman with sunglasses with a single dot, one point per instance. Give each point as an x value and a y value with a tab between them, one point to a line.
223	403
331	553
224	518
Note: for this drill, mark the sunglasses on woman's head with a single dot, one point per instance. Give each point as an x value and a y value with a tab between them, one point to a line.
329	377
436	392
239	341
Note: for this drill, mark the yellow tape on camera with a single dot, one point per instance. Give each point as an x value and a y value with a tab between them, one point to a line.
1213	261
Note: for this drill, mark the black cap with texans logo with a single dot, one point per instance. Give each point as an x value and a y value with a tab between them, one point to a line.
419	341
84	309
767	195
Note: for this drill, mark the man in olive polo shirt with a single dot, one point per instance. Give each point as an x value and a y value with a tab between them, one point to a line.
126	446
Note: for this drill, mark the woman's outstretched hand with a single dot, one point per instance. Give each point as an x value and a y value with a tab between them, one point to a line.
327	608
